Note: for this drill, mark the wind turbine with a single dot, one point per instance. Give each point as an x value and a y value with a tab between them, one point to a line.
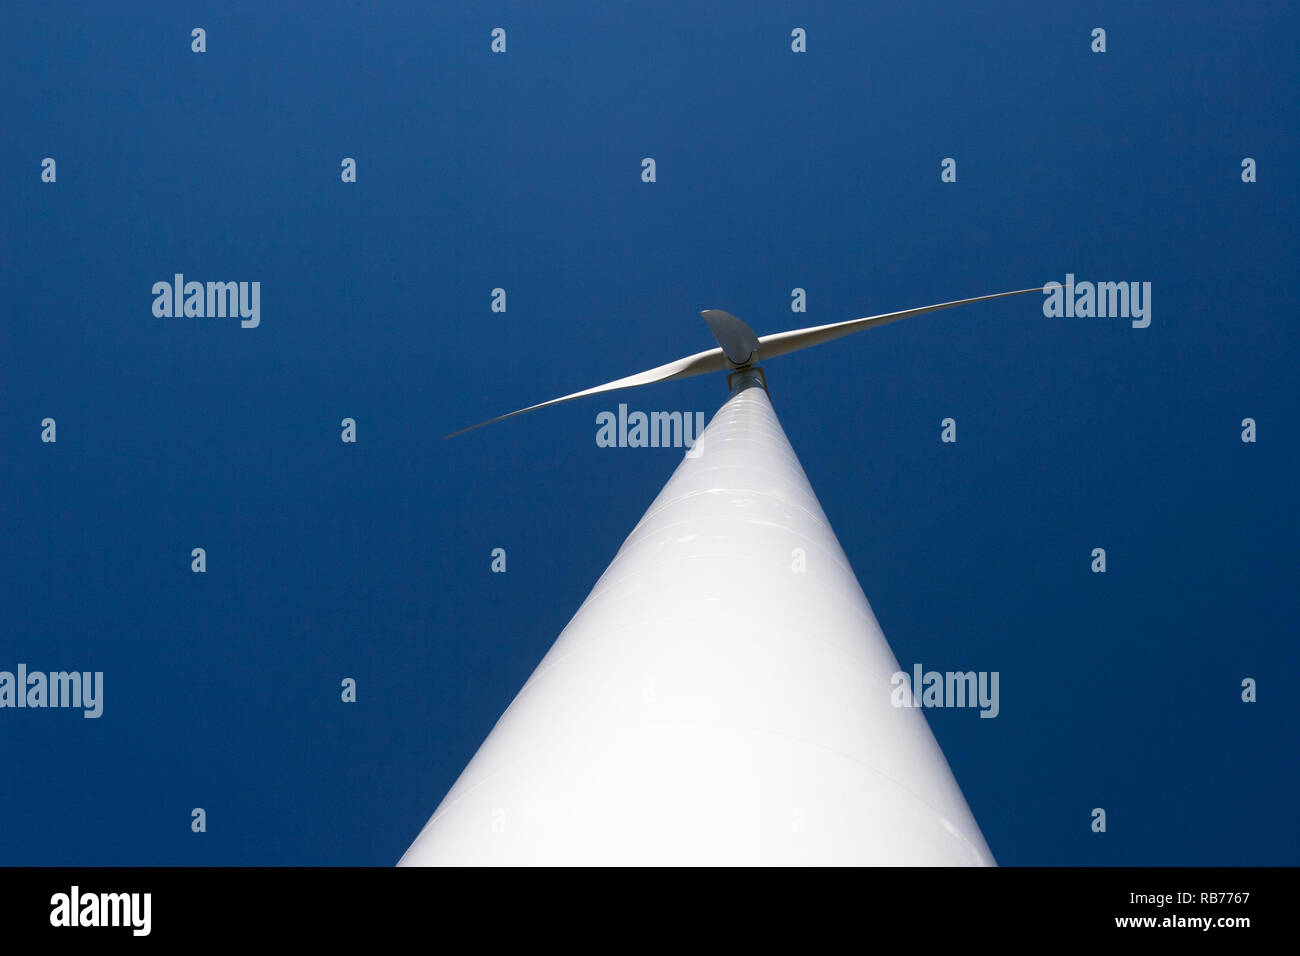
723	695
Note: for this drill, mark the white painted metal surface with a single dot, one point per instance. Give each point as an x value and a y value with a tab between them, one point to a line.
710	702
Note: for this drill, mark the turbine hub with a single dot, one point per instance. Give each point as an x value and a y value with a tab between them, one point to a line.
738	341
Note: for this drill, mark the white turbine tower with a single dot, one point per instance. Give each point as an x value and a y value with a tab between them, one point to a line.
723	695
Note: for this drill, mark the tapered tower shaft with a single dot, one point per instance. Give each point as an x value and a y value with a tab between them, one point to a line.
722	697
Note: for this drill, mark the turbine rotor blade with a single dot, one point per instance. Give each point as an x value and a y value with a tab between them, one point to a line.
783	343
701	363
739	346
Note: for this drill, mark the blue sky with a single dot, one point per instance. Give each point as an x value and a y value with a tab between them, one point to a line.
775	170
